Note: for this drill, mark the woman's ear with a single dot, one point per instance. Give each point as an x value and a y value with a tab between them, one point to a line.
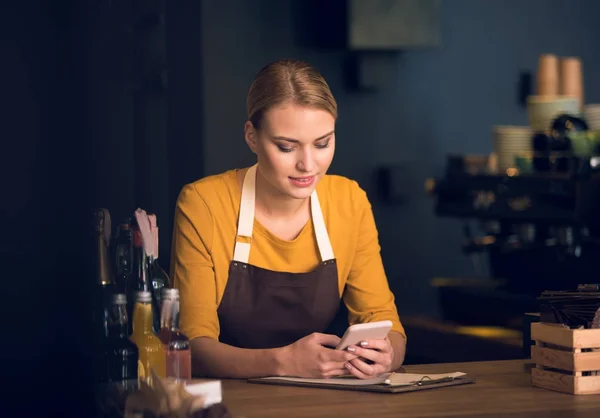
250	135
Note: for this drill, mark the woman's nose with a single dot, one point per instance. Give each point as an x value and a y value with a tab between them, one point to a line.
306	162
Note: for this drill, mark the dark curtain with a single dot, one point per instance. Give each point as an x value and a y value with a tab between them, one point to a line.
144	106
103	108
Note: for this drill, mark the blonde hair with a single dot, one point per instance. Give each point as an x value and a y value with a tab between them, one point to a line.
288	81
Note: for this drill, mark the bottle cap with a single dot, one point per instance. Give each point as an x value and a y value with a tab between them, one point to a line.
170	293
119	299
143	296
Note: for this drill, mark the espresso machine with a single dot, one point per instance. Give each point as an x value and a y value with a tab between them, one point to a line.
538	231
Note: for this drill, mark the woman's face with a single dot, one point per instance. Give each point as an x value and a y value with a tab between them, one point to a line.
294	146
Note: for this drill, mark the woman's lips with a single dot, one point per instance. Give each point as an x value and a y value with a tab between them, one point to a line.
302	181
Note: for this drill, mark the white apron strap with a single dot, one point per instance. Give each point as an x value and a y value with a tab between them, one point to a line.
323	241
246	217
246	222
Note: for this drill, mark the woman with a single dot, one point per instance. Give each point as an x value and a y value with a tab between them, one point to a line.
263	255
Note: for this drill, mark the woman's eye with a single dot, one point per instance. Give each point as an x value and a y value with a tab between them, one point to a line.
284	149
288	149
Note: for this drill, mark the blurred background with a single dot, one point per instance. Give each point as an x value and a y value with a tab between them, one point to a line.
119	103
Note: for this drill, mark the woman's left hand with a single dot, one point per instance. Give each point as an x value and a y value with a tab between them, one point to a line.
380	352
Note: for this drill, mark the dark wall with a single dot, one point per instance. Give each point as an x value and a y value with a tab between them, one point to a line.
143	111
138	111
45	176
81	131
442	100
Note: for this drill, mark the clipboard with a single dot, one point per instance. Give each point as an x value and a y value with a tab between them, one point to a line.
424	383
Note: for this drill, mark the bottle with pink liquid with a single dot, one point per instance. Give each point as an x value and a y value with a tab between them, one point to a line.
176	343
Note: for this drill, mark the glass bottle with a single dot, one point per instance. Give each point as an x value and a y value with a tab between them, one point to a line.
104	285
104	272
141	274
123	258
177	344
160	278
150	348
122	354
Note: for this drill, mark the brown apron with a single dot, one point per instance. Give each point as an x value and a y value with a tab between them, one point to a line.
262	308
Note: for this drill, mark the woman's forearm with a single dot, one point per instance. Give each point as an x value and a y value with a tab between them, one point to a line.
399	344
211	358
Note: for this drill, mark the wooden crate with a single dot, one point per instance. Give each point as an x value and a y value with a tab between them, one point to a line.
565	360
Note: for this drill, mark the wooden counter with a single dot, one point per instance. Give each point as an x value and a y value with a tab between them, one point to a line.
503	389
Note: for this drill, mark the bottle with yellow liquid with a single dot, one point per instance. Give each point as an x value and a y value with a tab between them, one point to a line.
150	347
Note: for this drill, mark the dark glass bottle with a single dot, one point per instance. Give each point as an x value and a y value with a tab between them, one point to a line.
104	271
123	258
160	278
141	274
104	286
121	353
177	344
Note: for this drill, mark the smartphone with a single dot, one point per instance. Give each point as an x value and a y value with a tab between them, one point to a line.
368	331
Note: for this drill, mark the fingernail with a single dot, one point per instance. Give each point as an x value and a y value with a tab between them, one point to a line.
364	343
348	366
351	349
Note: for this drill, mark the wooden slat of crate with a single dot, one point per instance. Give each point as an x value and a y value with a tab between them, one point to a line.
573	338
576	385
565	360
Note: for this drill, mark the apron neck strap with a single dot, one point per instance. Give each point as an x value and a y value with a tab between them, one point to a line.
246	221
321	234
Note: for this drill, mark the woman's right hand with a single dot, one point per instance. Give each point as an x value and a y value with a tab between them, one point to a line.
309	357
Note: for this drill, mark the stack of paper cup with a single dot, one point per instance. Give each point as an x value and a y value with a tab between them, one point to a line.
547	75
542	110
571	79
509	142
591	114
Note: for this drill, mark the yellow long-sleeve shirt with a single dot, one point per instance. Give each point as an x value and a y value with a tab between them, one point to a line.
204	234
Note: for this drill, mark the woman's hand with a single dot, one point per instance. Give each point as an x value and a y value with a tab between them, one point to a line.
309	357
379	352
